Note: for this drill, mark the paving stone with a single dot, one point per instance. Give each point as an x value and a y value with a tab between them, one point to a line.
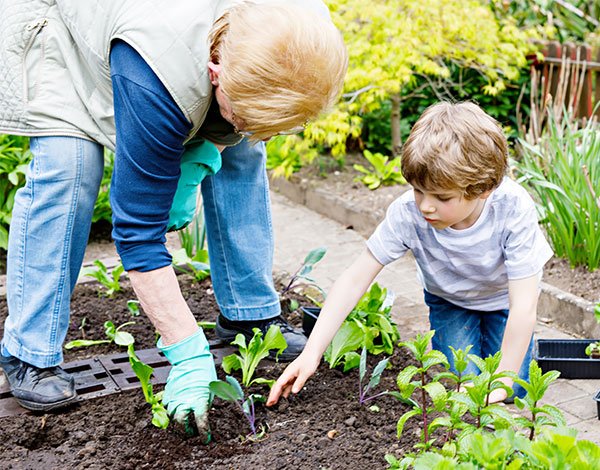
562	391
584	408
589	429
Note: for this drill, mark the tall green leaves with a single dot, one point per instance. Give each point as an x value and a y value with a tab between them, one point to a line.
563	172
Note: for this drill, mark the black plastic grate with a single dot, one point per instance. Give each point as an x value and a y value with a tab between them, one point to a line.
106	375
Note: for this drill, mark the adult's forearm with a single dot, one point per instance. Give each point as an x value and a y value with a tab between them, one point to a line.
159	293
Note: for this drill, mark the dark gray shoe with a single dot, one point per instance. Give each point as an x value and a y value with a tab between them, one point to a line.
38	389
227	330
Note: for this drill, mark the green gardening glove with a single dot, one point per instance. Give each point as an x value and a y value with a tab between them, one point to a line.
187	397
200	158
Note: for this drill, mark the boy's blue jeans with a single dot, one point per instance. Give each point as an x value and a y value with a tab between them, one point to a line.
50	228
460	327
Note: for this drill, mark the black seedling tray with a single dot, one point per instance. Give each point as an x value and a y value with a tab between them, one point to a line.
597	398
309	318
568	357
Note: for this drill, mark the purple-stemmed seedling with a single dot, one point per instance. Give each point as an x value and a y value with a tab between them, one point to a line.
363	396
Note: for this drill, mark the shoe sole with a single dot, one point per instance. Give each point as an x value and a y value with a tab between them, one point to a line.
34	406
227	336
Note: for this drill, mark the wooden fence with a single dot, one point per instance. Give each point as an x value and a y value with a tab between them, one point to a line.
571	74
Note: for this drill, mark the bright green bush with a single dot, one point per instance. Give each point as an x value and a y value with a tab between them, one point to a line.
14	158
393	45
562	171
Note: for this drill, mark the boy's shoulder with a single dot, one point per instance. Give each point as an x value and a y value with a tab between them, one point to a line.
511	194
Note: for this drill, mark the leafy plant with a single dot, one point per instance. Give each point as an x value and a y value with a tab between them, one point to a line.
193	237
372	315
300	277
231	390
160	417
14	159
114	335
102	209
541	415
110	282
385	171
593	349
197	266
250	355
134	307
342	349
562	170
363	391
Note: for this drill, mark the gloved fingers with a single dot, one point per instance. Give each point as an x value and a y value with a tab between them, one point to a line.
193	419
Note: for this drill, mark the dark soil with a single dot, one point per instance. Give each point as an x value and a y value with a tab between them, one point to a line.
340	181
115	431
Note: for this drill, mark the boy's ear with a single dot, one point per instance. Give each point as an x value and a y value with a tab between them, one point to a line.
213	73
485	195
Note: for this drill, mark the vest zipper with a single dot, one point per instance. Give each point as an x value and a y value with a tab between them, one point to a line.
35	26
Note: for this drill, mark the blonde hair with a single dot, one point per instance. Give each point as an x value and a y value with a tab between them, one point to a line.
455	147
281	65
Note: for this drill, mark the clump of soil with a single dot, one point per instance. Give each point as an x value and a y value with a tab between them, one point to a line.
322	427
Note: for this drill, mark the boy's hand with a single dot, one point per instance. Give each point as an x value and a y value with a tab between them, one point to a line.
293	378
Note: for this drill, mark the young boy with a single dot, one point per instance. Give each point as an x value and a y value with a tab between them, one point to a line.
474	235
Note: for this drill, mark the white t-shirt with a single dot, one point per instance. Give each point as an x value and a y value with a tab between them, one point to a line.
469	267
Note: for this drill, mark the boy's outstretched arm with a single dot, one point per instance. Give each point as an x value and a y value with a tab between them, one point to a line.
523	297
341	299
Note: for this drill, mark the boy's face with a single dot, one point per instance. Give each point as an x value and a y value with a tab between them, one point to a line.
448	208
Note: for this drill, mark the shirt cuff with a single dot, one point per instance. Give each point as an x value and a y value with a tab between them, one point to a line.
143	257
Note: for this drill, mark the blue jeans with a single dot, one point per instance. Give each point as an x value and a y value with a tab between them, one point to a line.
50	228
460	327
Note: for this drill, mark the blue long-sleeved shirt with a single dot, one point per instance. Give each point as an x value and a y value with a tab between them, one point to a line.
151	130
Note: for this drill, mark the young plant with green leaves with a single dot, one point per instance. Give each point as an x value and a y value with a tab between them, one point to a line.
109	281
342	350
197	266
541	415
562	170
114	334
102	209
593	349
363	391
160	417
134	307
300	277
231	390
373	317
385	172
252	353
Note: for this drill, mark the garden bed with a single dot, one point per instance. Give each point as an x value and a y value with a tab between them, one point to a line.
115	431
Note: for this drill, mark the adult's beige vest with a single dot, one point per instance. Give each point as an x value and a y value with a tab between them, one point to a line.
54	60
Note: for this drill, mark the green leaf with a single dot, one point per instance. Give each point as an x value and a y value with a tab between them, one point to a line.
438	394
403	419
226	390
376	375
123	338
84	343
231	362
348	338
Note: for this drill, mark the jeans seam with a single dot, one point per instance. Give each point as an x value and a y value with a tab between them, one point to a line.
221	246
67	245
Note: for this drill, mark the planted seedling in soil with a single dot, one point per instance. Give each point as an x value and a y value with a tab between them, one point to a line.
255	351
110	282
593	349
342	349
114	334
300	278
134	307
197	266
231	390
160	417
363	391
541	415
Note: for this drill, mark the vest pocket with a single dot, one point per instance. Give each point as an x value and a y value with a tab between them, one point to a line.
33	58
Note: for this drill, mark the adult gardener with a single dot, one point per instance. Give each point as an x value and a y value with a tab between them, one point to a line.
164	84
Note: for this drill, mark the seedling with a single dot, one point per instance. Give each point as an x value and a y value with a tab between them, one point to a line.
231	390
110	282
300	277
134	307
385	171
250	355
114	335
197	266
593	349
363	393
541	415
342	349
373	317
160	417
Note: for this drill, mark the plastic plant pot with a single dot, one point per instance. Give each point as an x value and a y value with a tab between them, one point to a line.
597	398
309	318
568	357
